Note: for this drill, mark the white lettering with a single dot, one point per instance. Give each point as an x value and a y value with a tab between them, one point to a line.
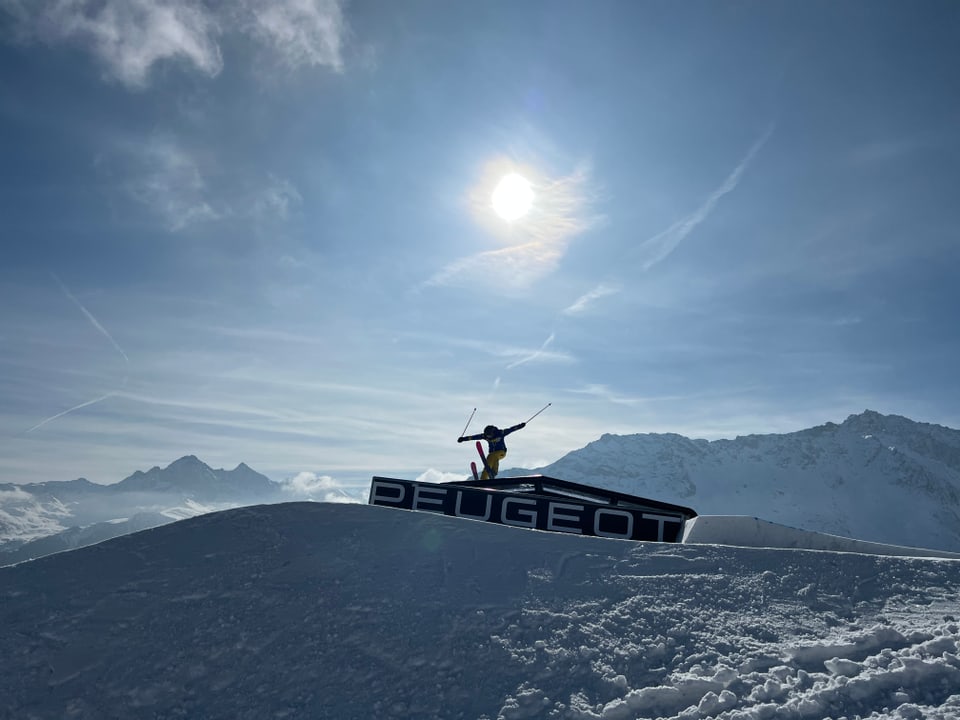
553	516
661	519
530	522
616	513
421	498
486	512
379	497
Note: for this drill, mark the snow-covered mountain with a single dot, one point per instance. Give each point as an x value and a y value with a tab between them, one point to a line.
192	478
351	612
874	477
41	518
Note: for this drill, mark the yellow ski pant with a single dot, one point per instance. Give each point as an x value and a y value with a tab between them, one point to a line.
493	462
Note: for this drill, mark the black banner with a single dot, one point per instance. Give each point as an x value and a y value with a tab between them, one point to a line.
525	510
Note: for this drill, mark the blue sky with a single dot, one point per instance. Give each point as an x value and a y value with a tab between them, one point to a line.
262	231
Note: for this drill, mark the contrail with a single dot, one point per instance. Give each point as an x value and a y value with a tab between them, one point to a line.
581	304
68	411
534	355
103	331
664	243
91	318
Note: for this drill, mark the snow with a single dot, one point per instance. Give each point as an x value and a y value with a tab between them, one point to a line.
23	517
753	532
882	478
189	508
338	611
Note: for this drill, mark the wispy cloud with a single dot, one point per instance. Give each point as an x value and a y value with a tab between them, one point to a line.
514	267
537	242
606	393
584	301
166	175
301	32
277	198
514	354
659	246
162	174
129	37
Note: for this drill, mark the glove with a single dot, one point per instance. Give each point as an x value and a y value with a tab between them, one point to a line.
461	439
522	425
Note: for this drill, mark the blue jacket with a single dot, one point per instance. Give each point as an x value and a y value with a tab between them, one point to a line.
494	437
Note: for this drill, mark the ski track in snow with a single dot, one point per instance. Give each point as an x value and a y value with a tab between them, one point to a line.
311	610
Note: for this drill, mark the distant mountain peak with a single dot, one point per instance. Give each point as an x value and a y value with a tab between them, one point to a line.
190	477
187	461
871	421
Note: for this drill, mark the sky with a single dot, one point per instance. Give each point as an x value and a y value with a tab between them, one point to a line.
355	611
263	232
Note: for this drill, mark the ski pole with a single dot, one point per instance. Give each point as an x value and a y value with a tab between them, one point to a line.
469	420
540	411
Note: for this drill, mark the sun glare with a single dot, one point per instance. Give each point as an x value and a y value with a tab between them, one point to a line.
512	197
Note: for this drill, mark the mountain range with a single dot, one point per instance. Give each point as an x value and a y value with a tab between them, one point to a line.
883	478
42	518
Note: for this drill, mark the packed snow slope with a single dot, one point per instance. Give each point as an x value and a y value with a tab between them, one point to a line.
309	610
882	478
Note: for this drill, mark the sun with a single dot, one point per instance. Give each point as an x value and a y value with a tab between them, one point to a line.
512	197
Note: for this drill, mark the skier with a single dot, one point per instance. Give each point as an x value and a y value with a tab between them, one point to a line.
496	447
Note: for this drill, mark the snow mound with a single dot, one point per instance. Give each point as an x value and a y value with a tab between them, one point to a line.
353	611
746	531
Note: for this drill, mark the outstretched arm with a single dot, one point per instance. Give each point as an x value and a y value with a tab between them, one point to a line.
512	429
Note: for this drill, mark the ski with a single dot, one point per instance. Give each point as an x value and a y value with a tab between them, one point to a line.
490	473
473	468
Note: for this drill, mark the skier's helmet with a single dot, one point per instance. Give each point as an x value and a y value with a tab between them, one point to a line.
491	431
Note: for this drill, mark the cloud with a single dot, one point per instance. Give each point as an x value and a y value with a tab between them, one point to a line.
662	244
129	37
536	243
438	476
308	483
24	517
301	32
277	198
161	174
171	179
604	392
516	267
514	354
313	486
584	301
